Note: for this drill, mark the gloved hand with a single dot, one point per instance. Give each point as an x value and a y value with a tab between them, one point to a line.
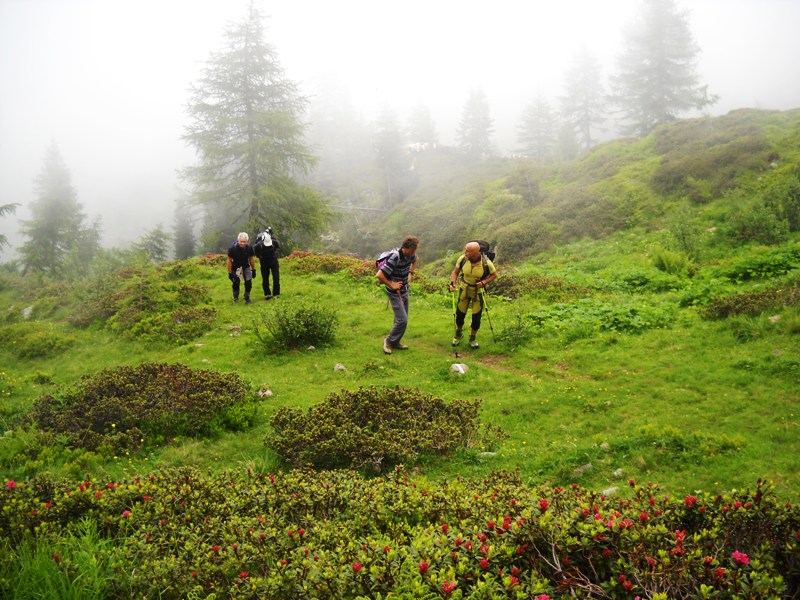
232	276
252	273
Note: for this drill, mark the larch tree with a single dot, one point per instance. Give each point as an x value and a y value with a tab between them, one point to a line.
4	210
657	78
247	129
475	130
537	133
59	240
183	231
583	104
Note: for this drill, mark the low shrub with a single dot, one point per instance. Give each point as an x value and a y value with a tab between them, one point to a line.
132	407
764	264
181	533
375	427
33	339
752	302
308	262
296	325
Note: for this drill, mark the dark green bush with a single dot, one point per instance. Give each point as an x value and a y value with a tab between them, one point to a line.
753	220
296	325
33	339
182	533
374	427
752	302
131	407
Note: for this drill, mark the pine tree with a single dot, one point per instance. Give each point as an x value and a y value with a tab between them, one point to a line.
4	210
153	245
246	125
537	133
183	231
583	105
58	238
476	127
421	128
657	78
389	149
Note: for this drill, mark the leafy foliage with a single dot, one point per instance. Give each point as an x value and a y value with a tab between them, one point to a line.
135	407
374	427
337	535
139	302
753	302
296	325
32	339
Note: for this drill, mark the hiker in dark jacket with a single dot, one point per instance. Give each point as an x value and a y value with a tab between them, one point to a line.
241	265
395	275
266	250
475	271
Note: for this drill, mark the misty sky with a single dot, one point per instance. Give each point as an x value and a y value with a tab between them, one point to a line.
106	80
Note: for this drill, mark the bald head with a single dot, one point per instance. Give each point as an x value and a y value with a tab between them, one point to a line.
472	251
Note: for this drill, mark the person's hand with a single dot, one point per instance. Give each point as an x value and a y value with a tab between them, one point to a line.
232	276
451	287
252	273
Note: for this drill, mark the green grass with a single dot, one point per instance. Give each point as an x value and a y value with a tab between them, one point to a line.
726	408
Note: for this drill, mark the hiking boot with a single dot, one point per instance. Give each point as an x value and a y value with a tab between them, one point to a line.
267	297
247	300
457	339
387	349
473	343
400	346
236	298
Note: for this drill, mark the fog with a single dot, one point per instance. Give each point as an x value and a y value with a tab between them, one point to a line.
107	80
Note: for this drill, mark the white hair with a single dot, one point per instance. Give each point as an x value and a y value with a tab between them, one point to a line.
243	236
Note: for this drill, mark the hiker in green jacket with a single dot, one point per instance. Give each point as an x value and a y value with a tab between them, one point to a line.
475	271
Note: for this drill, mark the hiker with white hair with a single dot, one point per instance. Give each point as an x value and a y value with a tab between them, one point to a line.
241	265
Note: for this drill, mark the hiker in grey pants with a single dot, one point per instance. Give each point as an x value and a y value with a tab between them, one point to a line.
394	275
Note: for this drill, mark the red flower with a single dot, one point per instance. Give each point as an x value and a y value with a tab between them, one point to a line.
215	549
243	575
11	484
627	585
301	532
386	549
490	525
448	587
512	581
543	504
515	571
690	501
543	596
719	573
357	567
484	564
423	567
56	558
643	516
606	552
631	482
126	513
98	495
444	527
741	558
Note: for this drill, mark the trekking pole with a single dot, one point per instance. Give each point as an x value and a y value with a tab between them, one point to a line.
488	316
455	326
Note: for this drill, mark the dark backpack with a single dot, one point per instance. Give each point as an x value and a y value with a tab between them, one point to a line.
383	257
486	252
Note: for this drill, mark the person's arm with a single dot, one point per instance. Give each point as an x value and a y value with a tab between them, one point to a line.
488	280
230	265
392	285
454	278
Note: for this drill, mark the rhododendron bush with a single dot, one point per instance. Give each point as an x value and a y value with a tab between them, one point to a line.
302	534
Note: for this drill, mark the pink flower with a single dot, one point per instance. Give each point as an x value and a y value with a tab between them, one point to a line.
423	567
11	484
357	567
243	575
741	558
448	587
126	513
445	527
484	564
690	501
543	504
542	597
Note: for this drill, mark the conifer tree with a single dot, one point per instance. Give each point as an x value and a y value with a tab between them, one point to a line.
4	210
583	105
246	126
183	231
537	133
57	233
476	127
657	78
